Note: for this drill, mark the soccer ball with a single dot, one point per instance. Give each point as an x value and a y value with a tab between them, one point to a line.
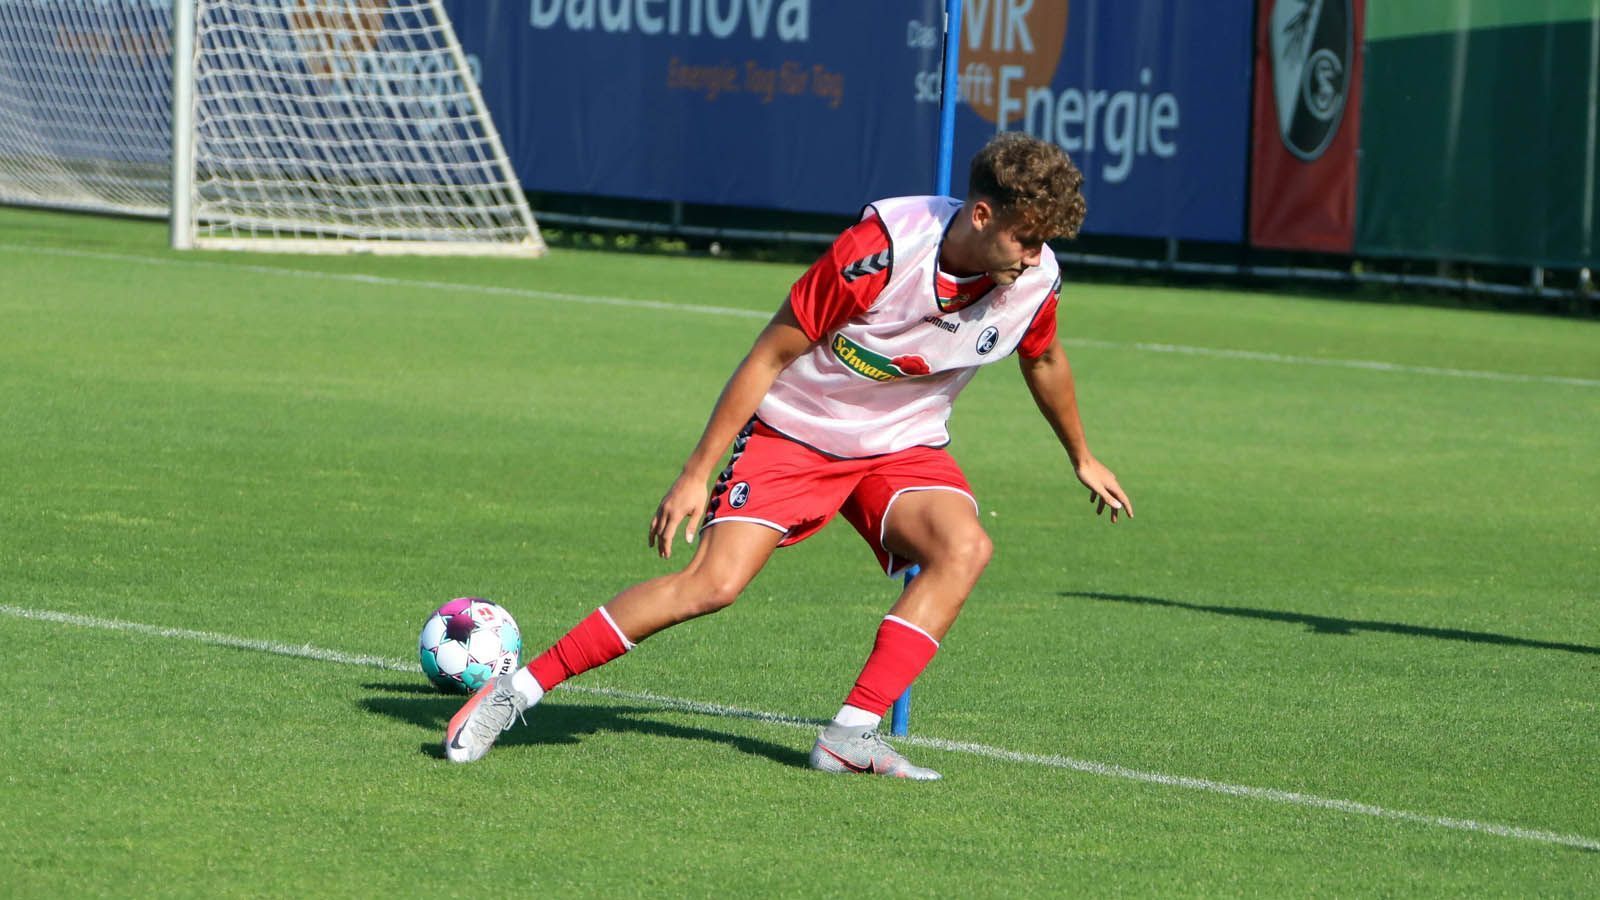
466	642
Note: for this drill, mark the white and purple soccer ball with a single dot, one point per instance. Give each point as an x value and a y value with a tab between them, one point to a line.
467	642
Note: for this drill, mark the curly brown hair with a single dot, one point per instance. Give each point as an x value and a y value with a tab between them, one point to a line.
1031	183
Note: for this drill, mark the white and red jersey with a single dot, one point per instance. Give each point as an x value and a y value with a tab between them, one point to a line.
897	339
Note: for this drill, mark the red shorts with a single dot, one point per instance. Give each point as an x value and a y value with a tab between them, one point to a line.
778	482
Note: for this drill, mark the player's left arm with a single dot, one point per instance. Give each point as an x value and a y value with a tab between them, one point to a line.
1049	378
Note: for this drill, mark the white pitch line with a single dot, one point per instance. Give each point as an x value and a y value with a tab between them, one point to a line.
388	281
1293	798
703	309
1369	364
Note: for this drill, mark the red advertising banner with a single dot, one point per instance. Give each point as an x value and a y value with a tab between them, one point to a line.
1307	124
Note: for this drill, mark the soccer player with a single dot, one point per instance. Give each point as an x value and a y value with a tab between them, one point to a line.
840	407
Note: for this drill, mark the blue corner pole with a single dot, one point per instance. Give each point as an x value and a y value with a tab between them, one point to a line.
900	717
948	96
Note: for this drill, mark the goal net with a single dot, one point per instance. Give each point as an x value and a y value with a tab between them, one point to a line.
284	125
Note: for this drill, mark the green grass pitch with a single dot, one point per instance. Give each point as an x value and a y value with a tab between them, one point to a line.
1349	645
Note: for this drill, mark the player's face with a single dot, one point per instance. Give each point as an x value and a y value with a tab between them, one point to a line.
1014	252
1008	250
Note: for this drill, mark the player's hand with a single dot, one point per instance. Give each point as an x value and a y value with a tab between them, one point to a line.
685	502
1104	490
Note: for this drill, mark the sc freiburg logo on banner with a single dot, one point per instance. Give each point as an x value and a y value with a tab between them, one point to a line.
1312	47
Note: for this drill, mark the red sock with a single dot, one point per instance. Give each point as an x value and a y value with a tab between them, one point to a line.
899	655
593	642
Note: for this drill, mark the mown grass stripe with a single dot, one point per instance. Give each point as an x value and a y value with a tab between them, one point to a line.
1310	801
705	309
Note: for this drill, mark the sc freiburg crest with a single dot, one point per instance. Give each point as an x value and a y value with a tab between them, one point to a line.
1312	47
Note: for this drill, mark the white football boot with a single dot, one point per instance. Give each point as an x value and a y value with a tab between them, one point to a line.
477	725
862	751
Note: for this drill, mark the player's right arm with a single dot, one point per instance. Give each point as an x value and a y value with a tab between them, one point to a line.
822	300
780	343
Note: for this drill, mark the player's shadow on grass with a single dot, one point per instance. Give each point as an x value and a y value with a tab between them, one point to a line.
559	722
1331	625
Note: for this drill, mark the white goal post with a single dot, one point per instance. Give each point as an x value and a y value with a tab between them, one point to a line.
307	126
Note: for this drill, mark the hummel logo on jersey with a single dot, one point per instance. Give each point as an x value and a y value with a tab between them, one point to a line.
867	265
951	327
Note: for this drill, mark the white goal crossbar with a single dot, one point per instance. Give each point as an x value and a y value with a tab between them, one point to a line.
318	126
